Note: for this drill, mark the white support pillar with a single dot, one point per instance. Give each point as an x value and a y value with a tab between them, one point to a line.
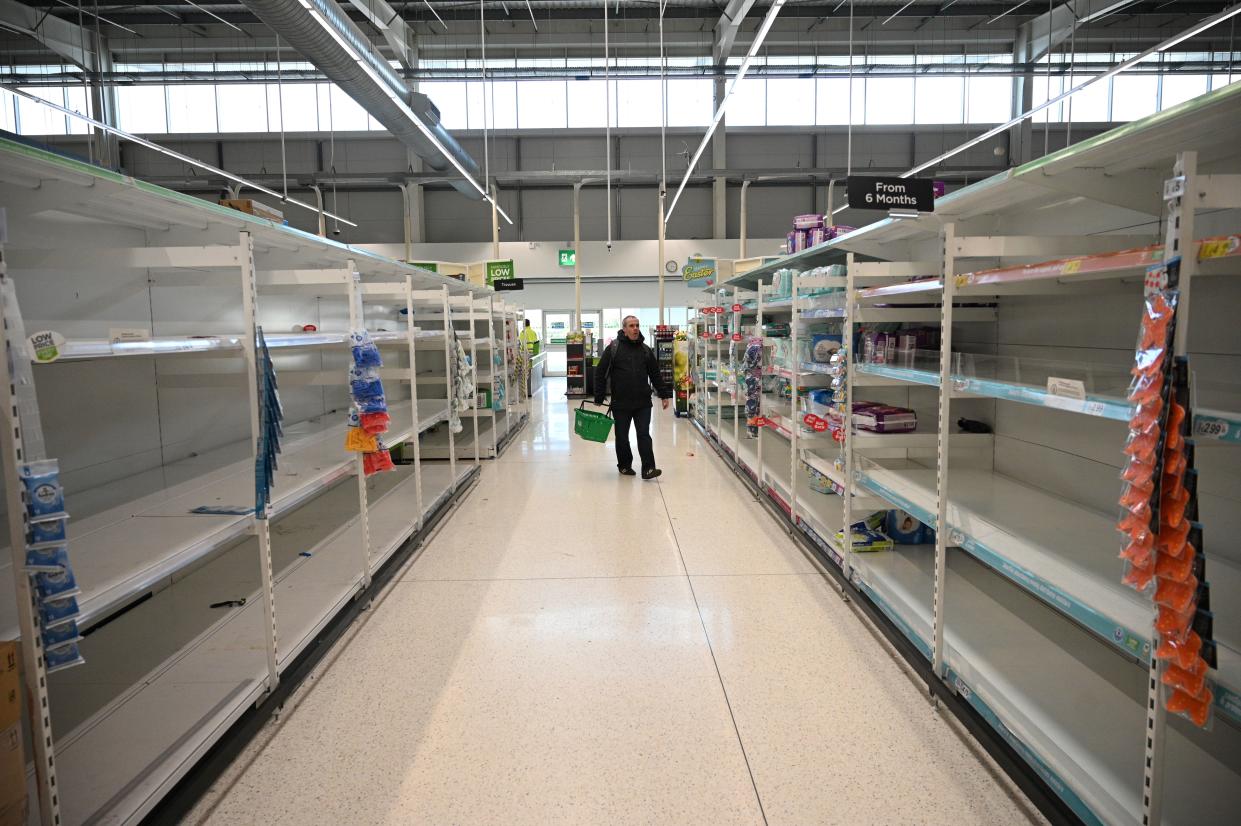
659	270
357	321
745	186
942	533
416	433
259	522
577	256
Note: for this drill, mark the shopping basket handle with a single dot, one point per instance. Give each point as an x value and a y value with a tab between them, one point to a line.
608	407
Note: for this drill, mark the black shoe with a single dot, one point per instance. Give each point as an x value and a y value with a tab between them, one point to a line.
626	471
651	473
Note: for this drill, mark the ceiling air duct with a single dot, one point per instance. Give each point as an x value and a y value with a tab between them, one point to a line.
322	32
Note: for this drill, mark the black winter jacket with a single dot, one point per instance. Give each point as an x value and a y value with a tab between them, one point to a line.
633	370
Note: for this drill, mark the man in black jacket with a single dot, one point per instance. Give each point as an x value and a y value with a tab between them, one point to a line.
632	369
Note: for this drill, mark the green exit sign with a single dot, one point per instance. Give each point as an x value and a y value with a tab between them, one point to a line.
568	258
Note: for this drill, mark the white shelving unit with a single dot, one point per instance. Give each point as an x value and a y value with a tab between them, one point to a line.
195	617
1018	609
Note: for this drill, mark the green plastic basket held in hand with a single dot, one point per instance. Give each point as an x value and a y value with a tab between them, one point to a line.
591	426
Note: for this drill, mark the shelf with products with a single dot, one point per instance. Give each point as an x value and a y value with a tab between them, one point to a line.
1038	633
128	274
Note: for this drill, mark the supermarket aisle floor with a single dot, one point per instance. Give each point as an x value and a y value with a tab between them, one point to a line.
580	647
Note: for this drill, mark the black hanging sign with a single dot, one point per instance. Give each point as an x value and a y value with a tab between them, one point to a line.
867	192
503	284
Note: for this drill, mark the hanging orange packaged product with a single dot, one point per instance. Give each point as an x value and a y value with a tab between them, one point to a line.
1176	569
358	440
1190	680
1178	596
1180	650
1142	445
1135	495
1197	709
1138	471
1138	578
1140	550
1172	539
1173	628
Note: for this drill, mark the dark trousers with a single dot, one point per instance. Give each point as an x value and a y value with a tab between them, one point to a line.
641	419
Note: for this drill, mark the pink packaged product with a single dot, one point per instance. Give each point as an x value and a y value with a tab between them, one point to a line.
883	418
791	243
836	231
815	237
808	221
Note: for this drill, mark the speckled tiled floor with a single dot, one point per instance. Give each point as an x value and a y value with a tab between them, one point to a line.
578	647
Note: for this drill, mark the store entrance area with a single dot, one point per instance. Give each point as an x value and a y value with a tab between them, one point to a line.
583	647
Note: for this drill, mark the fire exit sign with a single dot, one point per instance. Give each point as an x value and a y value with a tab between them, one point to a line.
568	258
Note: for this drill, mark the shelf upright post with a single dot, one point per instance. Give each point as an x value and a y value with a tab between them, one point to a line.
259	522
794	420
416	434
503	343
450	358
1180	228
357	321
34	670
736	410
719	374
761	470
475	413
846	547
941	444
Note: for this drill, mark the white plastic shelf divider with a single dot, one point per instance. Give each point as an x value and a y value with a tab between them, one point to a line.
1060	552
124	552
92	348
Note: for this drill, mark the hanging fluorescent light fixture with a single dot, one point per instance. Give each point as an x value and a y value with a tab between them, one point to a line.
400	103
755	45
1192	31
163	150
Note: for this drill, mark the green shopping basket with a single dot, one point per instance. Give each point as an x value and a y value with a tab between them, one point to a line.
592	426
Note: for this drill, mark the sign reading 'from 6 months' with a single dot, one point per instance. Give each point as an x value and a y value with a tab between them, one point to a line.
867	192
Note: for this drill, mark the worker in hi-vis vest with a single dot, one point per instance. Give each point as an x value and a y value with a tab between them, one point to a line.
529	337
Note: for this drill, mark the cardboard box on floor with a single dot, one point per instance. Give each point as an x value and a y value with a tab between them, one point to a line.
12	755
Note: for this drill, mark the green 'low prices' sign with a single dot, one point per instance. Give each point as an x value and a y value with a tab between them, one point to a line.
568	258
499	270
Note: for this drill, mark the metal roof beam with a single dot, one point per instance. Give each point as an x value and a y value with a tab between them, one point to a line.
727	27
1050	29
62	37
389	23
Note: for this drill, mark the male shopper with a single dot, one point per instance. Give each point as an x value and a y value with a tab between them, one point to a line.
632	369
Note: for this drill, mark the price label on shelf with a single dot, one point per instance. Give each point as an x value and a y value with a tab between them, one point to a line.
820	426
736	336
706	334
737	308
1210	428
759	421
719	336
810	420
713	310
